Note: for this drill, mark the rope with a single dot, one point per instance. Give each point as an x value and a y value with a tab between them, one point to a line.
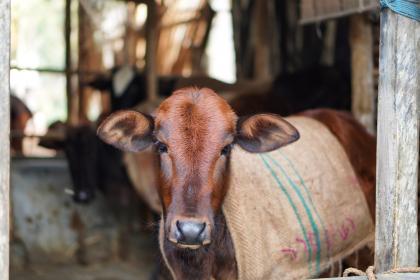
407	8
370	272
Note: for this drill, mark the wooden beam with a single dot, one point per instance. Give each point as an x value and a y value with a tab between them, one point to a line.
71	100
329	42
89	58
61	71
398	143
363	93
262	38
151	46
337	14
4	137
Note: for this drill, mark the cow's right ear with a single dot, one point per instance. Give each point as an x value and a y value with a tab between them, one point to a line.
127	130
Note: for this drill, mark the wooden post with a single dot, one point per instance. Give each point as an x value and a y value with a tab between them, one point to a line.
4	137
151	45
398	143
131	35
330	38
71	99
261	51
361	44
89	60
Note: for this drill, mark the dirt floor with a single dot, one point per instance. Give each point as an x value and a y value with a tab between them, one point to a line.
108	271
141	262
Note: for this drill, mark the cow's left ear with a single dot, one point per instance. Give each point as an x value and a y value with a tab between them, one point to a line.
264	133
127	130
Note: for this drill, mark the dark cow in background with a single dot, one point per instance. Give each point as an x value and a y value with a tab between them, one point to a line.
127	86
93	164
316	87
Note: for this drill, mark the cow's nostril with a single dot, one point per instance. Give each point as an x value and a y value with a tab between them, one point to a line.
190	232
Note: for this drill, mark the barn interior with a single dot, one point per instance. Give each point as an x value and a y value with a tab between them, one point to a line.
75	213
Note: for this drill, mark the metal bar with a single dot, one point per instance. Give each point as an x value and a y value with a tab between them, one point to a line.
396	243
4	137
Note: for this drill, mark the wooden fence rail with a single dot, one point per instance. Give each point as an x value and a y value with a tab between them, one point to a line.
4	137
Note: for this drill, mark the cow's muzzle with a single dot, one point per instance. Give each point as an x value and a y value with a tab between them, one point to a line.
191	233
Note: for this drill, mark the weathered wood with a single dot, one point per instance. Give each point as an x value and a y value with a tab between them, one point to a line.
329	41
401	276
71	98
363	93
151	45
261	37
398	135
312	11
89	60
131	36
4	137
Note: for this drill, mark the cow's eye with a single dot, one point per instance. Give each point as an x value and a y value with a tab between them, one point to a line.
161	147
226	150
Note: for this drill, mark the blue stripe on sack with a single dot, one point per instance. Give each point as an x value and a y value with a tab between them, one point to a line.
295	210
307	210
309	195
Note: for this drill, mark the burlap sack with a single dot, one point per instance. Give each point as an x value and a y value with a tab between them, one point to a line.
295	211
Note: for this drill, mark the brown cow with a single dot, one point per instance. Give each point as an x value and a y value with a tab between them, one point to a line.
193	131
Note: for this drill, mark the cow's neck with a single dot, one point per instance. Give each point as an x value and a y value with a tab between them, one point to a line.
216	260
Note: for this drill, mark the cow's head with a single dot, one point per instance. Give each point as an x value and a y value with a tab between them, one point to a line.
193	131
93	165
80	147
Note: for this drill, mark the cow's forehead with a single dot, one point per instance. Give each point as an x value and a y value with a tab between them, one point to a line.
192	112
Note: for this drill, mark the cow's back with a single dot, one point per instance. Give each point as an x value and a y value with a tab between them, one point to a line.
296	210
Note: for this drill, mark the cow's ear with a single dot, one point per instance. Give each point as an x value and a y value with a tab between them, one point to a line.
127	130
264	133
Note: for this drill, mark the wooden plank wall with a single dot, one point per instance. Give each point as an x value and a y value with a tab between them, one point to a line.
398	143
4	137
